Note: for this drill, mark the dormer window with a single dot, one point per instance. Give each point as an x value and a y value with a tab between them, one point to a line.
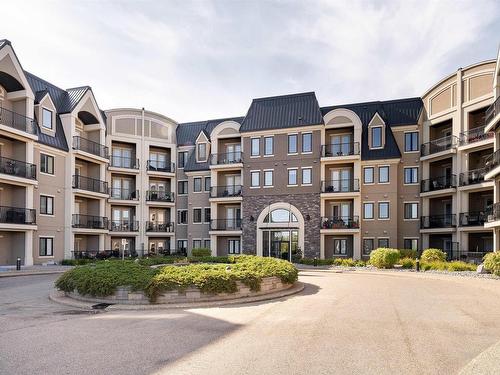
376	136
47	119
202	152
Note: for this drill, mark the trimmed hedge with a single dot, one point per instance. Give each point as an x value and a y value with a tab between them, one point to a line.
433	255
201	252
343	262
384	258
492	263
448	266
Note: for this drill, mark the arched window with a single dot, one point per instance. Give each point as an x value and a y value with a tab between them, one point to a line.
280	215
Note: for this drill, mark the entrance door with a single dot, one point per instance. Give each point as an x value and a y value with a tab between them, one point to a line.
280	244
233	183
341	144
232	217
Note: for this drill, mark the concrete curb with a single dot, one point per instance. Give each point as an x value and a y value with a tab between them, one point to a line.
486	363
34	273
60	297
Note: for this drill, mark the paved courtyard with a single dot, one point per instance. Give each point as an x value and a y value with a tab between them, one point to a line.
342	323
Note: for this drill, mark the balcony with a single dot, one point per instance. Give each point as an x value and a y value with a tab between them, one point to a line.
17	215
91	147
493	213
225	224
89	222
226	158
438	183
472	219
154	226
17	168
225	191
17	121
90	184
439	145
340	186
123	194
123	226
160	166
492	161
340	222
124	162
475	135
438	221
159	196
340	149
475	176
492	111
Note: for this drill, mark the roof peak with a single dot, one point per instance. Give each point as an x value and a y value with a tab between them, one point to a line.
79	88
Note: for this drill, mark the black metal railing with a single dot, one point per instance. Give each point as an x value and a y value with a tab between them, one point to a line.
17	121
17	168
90	184
225	224
475	135
225	191
123	226
340	149
226	158
155	226
470	256
123	194
438	145
438	221
159	196
340	186
160	166
492	161
492	111
472	219
17	215
94	148
474	176
124	162
89	221
493	212
340	222
438	183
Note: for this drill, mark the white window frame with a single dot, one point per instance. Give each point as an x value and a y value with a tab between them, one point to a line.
373	210
372	147
388	210
44	109
302	143
252	155
198	158
272	177
256	171
388	174
296	177
271	137
302	176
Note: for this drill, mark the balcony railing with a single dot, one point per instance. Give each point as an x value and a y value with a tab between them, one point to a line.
493	212
492	161
17	168
226	158
438	145
475	176
340	149
89	222
94	148
472	219
340	186
471	256
154	226
438	221
225	191
225	224
17	215
17	121
159	196
475	135
340	222
123	194
492	111
160	166
90	184
124	162
439	183
123	226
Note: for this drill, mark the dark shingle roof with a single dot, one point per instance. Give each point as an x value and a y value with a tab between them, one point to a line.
187	132
192	166
285	111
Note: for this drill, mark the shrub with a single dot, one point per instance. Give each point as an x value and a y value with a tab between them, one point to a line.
408	253
201	252
448	266
492	263
384	258
433	255
76	262
407	263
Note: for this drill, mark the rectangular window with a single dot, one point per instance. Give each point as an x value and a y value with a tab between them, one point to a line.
207	215
292	144
268	178
46	247
292	177
268	145
383	174
182	187
46	205
206	244
307	142
255	178
368	175
197	184
411	243
411	175
202	151
255	147
196	244
47	118
234	247
383	210
182	246
196	215
411	142
340	246
182	159
46	164
368	210
182	217
208	183
383	242
376	136
306	176
411	211
368	245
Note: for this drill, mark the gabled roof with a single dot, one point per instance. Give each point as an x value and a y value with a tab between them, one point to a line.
39	95
187	132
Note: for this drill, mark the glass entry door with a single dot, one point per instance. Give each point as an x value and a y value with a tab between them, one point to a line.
281	244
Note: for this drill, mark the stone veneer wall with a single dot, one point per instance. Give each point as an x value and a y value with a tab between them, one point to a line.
307	204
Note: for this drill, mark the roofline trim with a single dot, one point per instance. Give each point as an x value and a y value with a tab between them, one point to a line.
140	110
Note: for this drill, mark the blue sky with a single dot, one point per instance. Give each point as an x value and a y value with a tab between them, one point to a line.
195	60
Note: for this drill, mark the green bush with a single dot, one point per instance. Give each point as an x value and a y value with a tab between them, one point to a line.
201	252
492	263
408	253
407	263
447	266
384	258
433	255
342	262
76	262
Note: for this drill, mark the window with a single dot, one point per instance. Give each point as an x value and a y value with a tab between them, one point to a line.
206	244
383	242
280	215
383	210
182	159
268	178
292	144
46	164
376	136
292	177
234	247
411	175
368	245
202	151
268	145
383	174
368	175
411	243
47	118
182	246
182	187
340	246
196	215
46	247
182	217
255	147
197	184
255	178
368	211
307	142
411	211
208	183
46	205
411	142
196	244
306	176
207	215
